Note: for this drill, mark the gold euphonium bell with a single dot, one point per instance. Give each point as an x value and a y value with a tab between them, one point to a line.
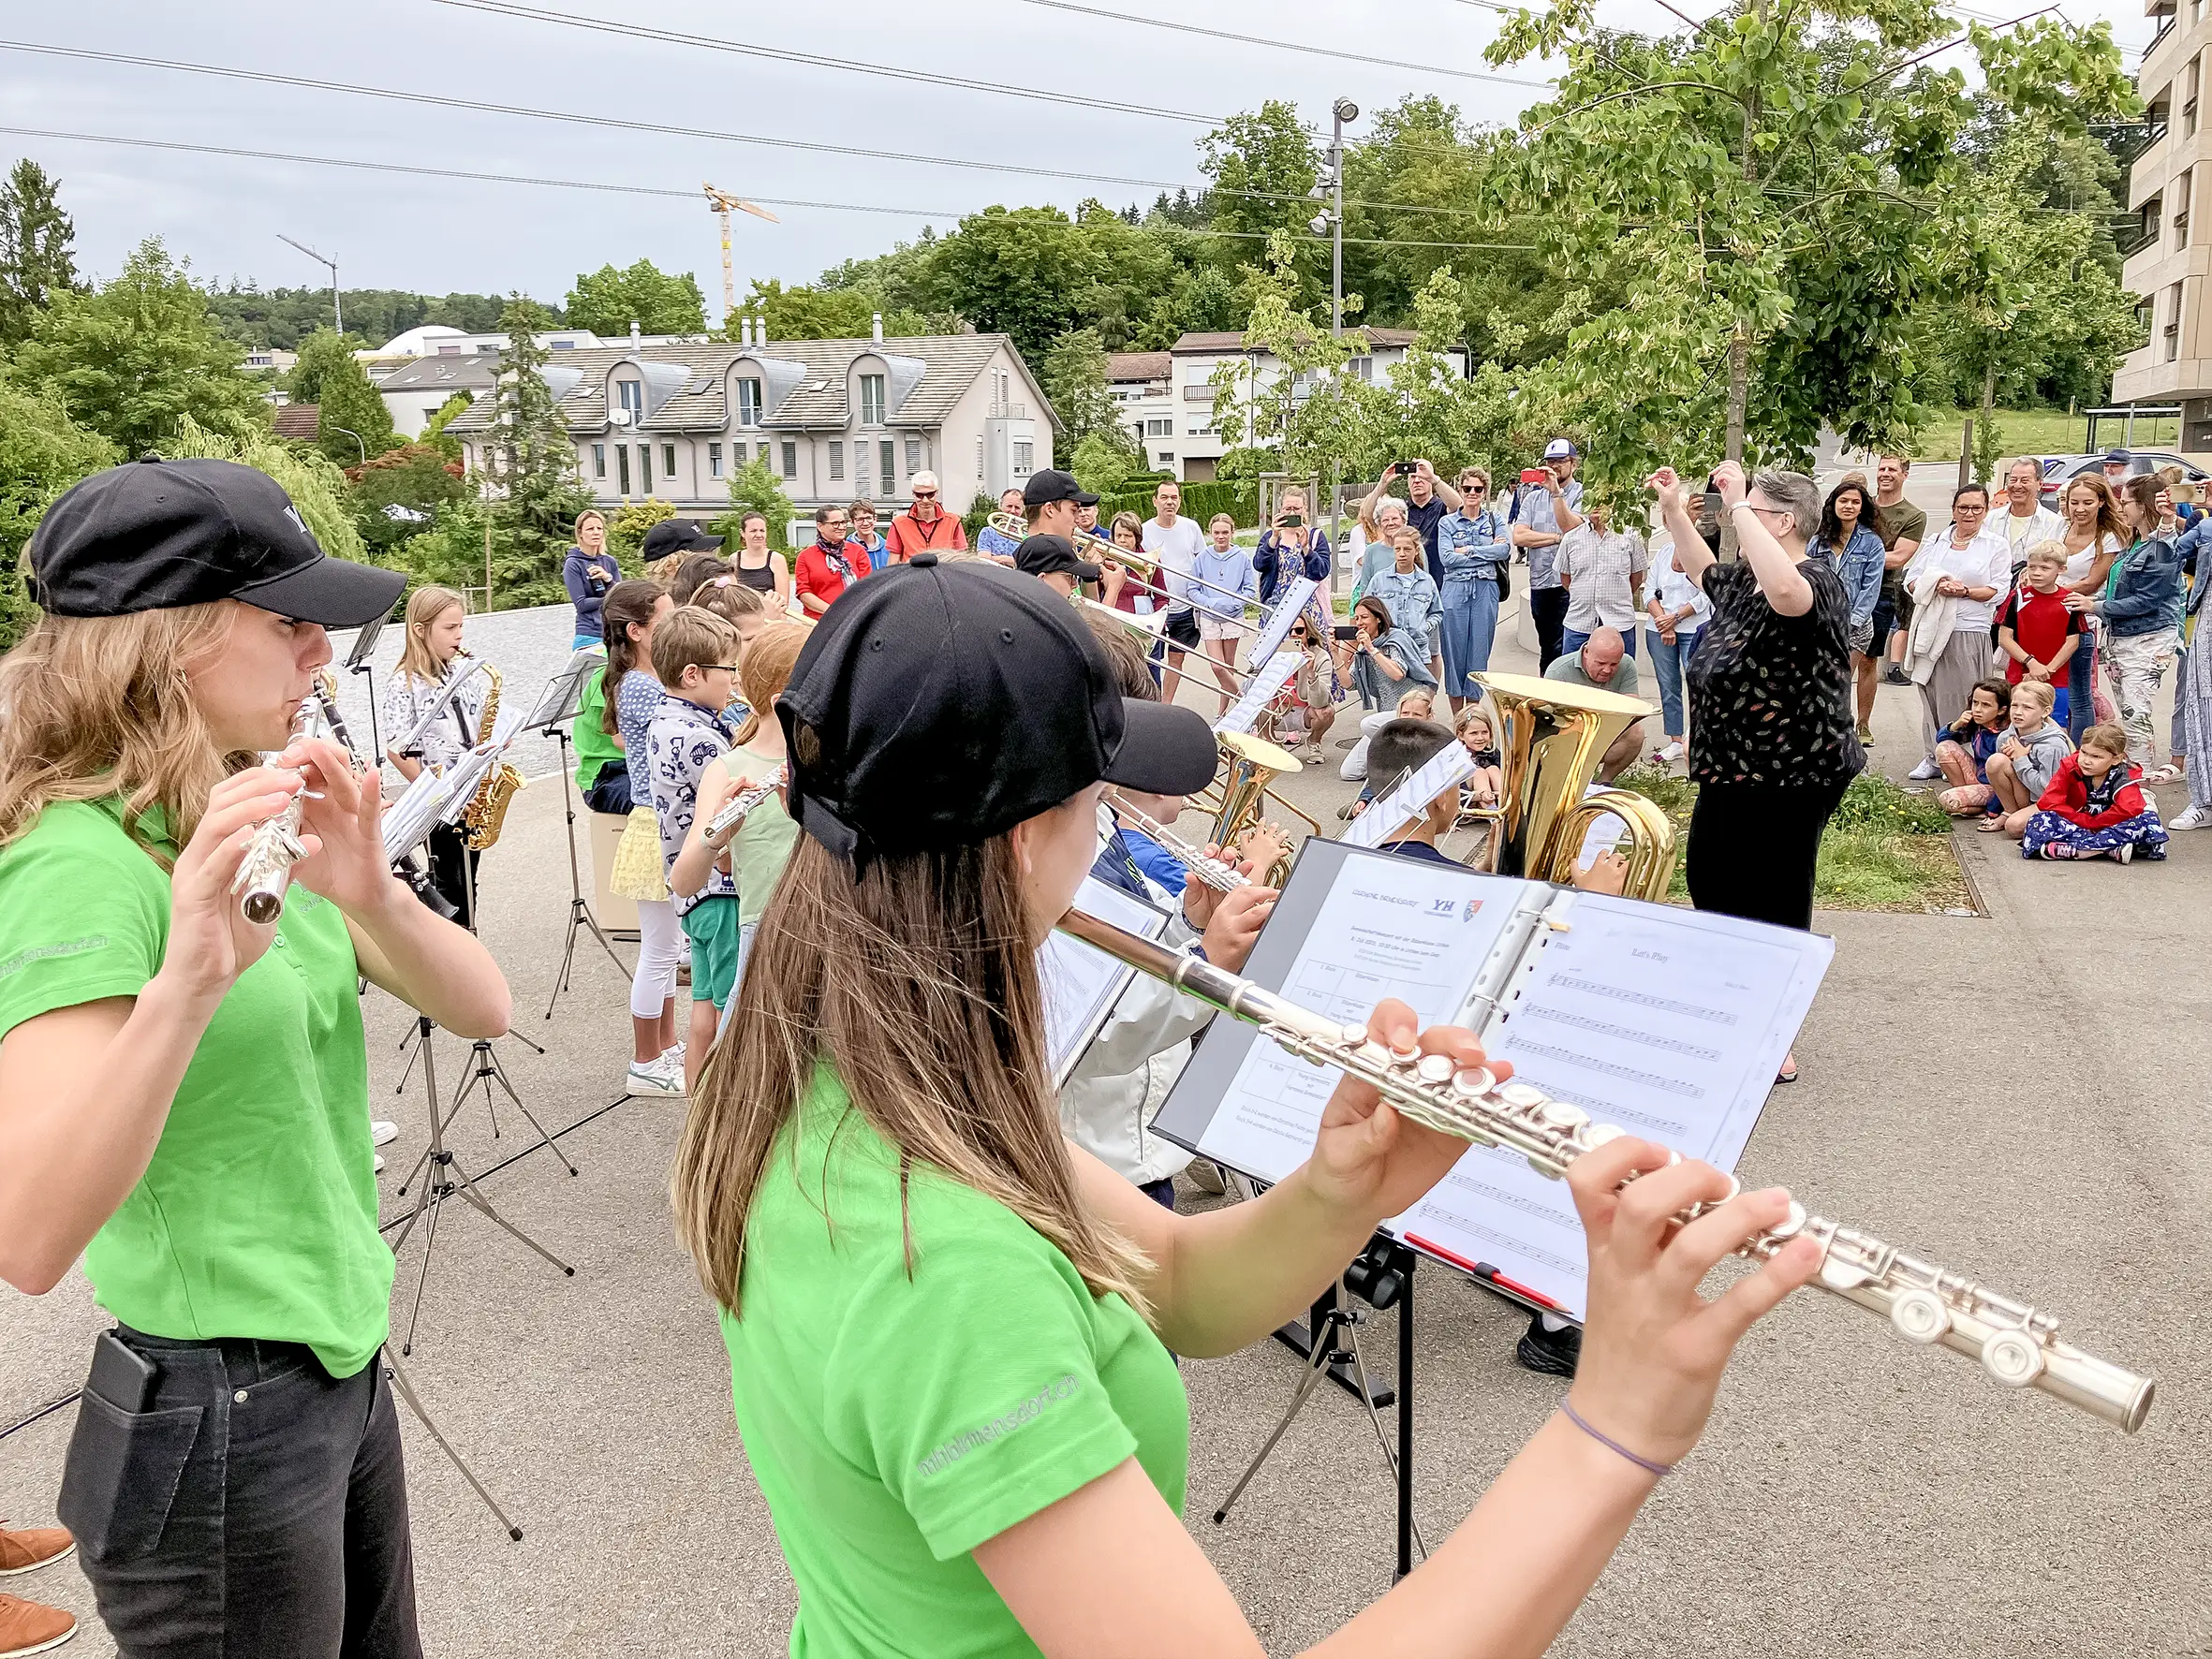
1250	765
1552	737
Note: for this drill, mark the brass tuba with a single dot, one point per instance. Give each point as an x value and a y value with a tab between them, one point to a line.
486	813
1552	737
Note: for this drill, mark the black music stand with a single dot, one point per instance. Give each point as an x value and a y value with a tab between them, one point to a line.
557	706
357	662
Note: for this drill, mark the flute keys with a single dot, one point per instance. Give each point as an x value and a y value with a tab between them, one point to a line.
1919	1315
1562	1114
1791	1225
1838	1274
2012	1358
1471	1082
1435	1070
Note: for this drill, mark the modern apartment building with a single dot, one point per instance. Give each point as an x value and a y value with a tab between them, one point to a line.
2167	244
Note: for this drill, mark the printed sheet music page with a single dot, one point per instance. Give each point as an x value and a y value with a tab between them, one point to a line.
1667	1022
1388	927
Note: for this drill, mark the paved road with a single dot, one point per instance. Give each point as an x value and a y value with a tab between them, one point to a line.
2019	1097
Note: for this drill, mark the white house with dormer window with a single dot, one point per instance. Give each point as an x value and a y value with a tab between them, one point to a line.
837	420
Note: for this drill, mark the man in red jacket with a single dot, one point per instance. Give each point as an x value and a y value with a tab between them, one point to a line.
925	526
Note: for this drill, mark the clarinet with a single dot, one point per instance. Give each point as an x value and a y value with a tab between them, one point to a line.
734	810
2017	1345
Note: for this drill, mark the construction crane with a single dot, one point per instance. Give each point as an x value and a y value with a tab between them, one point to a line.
722	201
338	306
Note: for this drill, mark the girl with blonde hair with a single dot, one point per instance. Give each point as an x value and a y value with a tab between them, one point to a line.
183	1106
432	664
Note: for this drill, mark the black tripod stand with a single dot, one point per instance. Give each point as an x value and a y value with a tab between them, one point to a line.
1383	1277
439	1183
580	919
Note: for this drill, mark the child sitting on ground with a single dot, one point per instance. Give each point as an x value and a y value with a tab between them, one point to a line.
2095	806
1474	730
1962	753
2026	759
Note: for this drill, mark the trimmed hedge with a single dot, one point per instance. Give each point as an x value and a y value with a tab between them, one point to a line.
1241	502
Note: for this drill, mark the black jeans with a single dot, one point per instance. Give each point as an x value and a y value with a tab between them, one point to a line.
1547	609
1753	846
258	1506
453	871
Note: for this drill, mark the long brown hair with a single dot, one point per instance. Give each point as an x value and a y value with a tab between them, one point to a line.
2108	521
626	602
99	707
765	670
2142	491
917	982
425	605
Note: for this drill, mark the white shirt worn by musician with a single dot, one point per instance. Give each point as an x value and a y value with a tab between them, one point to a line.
406	700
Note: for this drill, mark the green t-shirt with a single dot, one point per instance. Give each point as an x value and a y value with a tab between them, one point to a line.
897	1420
1568	666
762	844
1900	521
256	1217
594	748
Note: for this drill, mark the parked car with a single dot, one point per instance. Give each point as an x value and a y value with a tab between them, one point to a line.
2059	470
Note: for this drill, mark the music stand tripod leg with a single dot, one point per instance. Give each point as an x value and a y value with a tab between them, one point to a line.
1317	1367
406	1390
489	1071
1389	1460
580	913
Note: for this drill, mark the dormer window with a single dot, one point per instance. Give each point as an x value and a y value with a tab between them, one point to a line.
871	400
748	403
630	396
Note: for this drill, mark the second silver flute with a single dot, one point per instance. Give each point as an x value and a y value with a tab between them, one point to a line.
734	811
2017	1345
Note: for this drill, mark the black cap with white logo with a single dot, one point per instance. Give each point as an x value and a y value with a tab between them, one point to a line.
154	535
677	536
936	706
1048	486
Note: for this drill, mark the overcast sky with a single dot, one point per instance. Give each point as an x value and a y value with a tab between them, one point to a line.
436	235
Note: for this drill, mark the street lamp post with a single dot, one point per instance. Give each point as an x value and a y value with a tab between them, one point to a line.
1344	111
357	438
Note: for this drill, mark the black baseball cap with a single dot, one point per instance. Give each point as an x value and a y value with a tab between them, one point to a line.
1049	486
936	706
154	535
1051	555
676	535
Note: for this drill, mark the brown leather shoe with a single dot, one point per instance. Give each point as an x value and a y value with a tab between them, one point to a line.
30	1627
20	1551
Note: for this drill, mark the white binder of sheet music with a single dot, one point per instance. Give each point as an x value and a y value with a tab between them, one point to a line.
1082	983
1669	1022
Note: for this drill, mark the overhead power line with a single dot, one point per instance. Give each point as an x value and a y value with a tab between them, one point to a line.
1320	51
621	123
417	169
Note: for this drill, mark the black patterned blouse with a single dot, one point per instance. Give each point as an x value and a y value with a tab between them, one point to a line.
1771	695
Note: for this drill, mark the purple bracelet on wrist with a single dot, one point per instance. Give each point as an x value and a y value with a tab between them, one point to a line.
1641	1462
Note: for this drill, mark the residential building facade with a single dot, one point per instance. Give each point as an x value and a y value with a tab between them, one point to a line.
1139	381
1196	357
418	389
835	420
2167	264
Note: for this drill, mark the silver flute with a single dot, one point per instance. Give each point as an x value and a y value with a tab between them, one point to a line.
2017	1345
275	846
734	811
1218	874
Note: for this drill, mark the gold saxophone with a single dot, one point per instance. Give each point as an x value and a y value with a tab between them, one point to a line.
487	810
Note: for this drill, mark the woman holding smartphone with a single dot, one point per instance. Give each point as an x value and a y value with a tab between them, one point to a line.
184	1093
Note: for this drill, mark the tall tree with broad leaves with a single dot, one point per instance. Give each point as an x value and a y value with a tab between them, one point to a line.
608	301
1771	196
535	492
35	238
134	359
354	424
1073	375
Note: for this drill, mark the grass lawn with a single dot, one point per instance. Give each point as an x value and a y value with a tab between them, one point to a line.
1883	849
2039	431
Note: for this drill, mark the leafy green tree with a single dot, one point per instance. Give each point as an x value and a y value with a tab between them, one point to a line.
354	424
398	493
1106	460
754	487
434	430
1771	195
35	238
284	317
828	313
1016	271
1264	165
42	453
608	301
1073	375
535	492
626	531
138	358
316	487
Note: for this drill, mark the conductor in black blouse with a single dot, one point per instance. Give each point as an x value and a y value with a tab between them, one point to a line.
1774	741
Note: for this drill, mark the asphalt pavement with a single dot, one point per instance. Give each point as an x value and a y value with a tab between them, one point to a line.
2018	1096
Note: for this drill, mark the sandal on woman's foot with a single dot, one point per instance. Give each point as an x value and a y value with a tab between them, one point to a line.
2163	774
1992	826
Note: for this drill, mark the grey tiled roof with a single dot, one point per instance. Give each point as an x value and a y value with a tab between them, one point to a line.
806	383
1199	343
449	374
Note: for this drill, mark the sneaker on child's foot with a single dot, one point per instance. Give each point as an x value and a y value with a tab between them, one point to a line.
1893	675
1669	753
2124	852
382	1133
655	1077
1553	1353
379	1169
2192	818
1925	771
